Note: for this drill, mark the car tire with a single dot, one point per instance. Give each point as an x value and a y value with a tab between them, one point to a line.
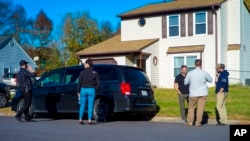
3	100
102	110
20	105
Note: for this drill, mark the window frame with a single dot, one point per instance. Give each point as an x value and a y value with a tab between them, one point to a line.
61	79
140	22
185	62
169	26
206	23
144	63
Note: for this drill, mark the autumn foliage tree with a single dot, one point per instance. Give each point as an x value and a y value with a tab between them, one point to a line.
80	32
42	29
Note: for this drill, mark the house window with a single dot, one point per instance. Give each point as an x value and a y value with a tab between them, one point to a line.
183	60
142	22
174	25
200	23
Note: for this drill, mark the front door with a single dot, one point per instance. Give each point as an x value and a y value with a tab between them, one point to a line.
47	96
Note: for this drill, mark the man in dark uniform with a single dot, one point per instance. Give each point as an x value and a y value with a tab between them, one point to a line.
182	91
25	86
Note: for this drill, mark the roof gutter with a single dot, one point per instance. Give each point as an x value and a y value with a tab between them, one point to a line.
150	13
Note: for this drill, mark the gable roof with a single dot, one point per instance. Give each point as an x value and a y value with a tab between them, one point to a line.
114	45
169	7
4	40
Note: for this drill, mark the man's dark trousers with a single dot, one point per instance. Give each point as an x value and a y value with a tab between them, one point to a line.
27	102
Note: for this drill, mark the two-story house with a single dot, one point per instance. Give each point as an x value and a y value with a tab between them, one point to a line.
10	55
160	37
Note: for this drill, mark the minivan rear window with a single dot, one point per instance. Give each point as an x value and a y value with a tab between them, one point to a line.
107	73
135	75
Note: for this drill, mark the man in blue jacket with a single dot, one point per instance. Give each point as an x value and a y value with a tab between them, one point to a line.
221	91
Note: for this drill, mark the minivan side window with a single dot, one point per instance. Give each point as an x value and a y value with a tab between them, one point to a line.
107	74
72	76
54	78
135	75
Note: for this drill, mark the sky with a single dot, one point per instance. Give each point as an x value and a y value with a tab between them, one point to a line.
100	10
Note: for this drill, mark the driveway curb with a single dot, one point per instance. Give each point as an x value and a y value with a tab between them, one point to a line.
7	112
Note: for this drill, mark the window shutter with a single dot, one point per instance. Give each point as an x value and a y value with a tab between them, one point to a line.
164	27
210	22
183	26
190	24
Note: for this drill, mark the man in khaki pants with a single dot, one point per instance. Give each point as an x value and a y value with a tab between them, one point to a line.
221	91
198	92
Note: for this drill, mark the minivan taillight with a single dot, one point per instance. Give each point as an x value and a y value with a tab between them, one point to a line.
125	88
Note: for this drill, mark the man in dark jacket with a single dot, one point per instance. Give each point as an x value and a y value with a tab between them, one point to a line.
25	85
222	91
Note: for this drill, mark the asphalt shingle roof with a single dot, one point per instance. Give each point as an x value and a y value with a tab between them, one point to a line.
185	49
177	5
233	47
247	3
114	45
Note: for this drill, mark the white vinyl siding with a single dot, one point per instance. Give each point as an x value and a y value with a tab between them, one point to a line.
130	30
234	66
245	44
151	69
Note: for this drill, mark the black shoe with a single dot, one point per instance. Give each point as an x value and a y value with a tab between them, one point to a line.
81	122
27	119
18	118
90	123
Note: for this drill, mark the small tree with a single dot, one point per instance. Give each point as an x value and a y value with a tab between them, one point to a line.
42	29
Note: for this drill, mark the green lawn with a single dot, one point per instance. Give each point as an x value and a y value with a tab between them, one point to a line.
238	105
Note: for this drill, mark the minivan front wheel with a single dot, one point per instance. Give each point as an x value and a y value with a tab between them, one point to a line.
20	105
102	110
3	100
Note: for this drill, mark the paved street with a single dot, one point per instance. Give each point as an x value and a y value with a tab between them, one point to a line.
42	129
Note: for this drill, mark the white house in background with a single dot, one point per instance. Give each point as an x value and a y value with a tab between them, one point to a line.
161	37
10	55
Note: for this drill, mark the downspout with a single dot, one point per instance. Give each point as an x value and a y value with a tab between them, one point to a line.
140	60
216	35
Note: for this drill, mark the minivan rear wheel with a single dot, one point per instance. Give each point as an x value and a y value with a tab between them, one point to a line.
102	110
3	100
20	105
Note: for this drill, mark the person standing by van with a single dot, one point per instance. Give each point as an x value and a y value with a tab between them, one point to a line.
87	85
25	86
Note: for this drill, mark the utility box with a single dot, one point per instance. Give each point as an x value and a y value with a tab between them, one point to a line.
247	82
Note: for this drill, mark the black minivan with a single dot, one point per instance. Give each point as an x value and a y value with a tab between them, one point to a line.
122	89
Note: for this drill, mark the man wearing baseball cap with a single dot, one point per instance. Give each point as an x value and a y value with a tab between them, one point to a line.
221	93
25	86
